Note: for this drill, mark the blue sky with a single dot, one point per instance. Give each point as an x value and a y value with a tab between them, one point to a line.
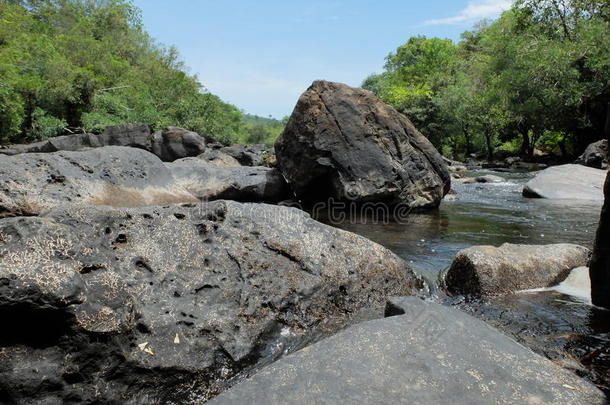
261	55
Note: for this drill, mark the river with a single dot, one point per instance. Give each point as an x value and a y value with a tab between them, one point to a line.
561	327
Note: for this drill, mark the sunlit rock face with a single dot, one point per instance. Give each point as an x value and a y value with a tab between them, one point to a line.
345	143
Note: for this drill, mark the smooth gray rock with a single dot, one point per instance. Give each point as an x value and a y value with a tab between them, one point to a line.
169	144
567	182
33	183
241	183
166	304
345	143
430	355
488	270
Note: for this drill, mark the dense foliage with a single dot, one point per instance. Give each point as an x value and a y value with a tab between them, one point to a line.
74	65
538	77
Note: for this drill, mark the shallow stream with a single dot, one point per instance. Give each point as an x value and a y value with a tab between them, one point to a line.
561	327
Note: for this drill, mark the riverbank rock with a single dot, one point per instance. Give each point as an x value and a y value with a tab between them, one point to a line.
600	262
166	304
217	158
595	155
248	155
567	182
169	144
173	143
345	143
488	270
117	176
430	354
241	183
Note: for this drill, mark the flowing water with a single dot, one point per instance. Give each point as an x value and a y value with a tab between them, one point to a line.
561	327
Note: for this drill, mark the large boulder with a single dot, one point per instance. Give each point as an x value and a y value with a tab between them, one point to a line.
166	304
600	262
429	355
488	270
118	176
567	182
241	183
345	143
169	144
173	143
595	155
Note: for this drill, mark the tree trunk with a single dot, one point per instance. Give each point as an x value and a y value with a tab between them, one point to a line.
599	268
490	150
525	142
468	142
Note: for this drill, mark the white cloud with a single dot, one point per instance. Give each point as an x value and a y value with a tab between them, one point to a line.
474	11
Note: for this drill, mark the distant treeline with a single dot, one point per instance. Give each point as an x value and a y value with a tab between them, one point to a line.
81	65
537	78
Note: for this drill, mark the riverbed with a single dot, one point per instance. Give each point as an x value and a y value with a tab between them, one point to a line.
561	327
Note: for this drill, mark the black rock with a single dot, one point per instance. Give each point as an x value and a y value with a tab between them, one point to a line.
166	305
345	143
595	155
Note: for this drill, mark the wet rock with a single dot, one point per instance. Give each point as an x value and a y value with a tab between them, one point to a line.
428	354
248	155
117	176
217	158
489	178
600	262
595	155
488	270
241	183
169	144
567	182
345	143
173	143
166	304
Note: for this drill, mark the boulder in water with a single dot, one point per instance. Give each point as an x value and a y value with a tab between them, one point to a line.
488	270
429	354
600	262
567	182
166	304
345	143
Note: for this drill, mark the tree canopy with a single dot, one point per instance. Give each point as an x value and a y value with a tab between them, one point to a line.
538	77
82	65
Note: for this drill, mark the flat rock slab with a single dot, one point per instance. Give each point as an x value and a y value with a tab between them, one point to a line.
489	270
567	182
120	176
430	355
